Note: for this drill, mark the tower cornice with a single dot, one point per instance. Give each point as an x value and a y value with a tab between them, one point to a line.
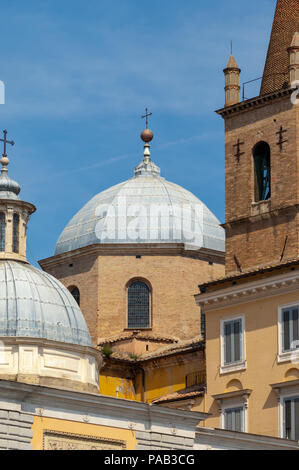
256	102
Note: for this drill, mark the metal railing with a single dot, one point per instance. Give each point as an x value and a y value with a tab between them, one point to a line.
196	378
275	80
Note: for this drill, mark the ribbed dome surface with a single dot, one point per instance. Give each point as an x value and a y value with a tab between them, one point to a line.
145	209
9	189
34	304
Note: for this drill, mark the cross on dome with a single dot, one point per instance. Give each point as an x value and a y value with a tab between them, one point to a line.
4	160
146	116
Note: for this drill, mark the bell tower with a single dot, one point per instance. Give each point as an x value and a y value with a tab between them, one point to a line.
262	159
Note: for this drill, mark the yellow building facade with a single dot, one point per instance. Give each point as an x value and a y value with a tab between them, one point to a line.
265	375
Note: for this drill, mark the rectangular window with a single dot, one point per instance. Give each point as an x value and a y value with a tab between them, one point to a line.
15	234
233	339
291	418
234	419
290	329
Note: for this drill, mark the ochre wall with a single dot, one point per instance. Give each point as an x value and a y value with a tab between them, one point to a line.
103	280
41	424
114	385
161	377
170	378
261	346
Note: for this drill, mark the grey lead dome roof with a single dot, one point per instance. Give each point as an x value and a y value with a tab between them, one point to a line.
34	304
9	189
144	209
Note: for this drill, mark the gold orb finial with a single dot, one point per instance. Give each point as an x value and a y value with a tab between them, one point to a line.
147	135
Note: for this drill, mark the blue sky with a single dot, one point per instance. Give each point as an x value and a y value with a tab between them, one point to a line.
78	76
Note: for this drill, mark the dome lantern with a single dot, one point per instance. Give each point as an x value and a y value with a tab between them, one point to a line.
147	167
14	213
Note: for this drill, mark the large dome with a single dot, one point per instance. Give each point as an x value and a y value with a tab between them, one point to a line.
36	305
144	209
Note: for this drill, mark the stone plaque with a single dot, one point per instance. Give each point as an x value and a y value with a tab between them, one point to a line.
66	441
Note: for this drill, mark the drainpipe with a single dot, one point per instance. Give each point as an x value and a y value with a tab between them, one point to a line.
143	391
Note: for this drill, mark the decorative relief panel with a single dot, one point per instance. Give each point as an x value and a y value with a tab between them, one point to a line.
58	361
64	441
28	358
5	355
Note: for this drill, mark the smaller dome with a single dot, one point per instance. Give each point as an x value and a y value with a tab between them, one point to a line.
9	189
36	305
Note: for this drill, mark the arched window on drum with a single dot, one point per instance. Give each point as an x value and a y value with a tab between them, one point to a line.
75	293
16	233
139	305
2	231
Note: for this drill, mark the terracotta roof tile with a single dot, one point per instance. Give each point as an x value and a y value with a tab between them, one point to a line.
139	335
184	394
285	25
169	350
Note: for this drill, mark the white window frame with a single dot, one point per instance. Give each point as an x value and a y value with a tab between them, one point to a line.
234	366
285	356
231	408
283	396
231	404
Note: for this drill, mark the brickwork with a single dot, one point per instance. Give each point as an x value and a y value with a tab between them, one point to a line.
103	281
260	233
286	23
174	281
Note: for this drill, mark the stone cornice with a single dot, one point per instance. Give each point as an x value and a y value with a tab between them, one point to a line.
46	343
236	393
51	399
19	203
256	102
289	383
133	249
277	212
249	291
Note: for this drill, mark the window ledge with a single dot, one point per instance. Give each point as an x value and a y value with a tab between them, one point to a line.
226	369
236	394
260	207
137	330
288	356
